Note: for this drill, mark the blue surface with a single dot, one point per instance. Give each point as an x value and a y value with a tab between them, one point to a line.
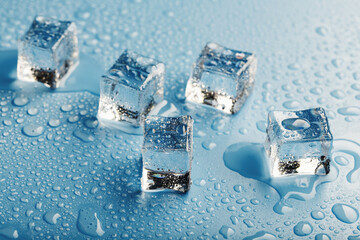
63	176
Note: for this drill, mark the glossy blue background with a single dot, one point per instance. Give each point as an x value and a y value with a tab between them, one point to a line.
79	180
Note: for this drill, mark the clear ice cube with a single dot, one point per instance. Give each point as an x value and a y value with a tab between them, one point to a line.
130	88
299	142
167	153
222	78
48	52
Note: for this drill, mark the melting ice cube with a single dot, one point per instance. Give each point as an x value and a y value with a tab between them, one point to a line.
167	153
48	52
299	142
130	88
222	78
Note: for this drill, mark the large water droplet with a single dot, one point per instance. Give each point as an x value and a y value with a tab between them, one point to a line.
342	161
345	213
262	235
322	236
218	123
20	101
83	136
303	228
338	94
91	122
208	145
51	217
226	231
295	124
9	232
88	223
349	111
33	130
261	126
66	108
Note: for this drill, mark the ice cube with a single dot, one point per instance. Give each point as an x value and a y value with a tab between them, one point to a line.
48	52
130	88
299	142
167	153
222	78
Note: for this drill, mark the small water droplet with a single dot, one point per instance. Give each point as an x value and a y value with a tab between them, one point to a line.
322	31
208	145
317	215
292	104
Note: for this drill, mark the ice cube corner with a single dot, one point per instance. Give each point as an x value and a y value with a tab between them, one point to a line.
222	78
299	142
167	153
130	88
48	52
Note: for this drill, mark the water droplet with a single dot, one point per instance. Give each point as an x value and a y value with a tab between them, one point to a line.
345	213
295	124
83	136
322	236
218	123
294	66
66	108
33	130
20	101
261	126
317	215
262	235
199	182
91	122
73	119
88	223
54	123
208	145
349	111
226	231
338	94
292	104
303	228
248	223
32	111
9	232
356	86
322	31
51	217
342	161
243	131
